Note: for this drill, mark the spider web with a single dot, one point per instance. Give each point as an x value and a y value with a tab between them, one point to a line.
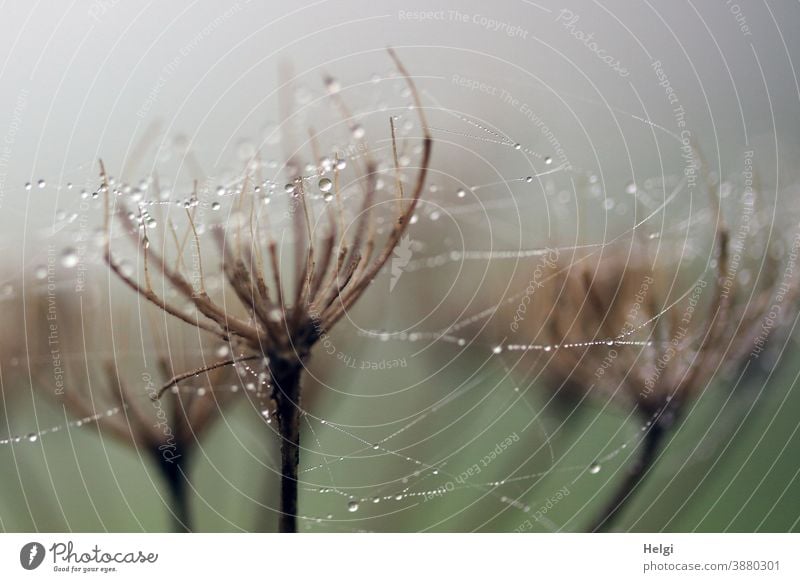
464	437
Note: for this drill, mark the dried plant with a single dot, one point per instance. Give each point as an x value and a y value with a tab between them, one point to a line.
331	272
168	436
166	432
615	328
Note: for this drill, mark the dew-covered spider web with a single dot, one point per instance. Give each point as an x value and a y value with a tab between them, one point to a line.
441	401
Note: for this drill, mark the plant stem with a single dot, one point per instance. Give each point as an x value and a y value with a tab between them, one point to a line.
173	471
653	440
287	406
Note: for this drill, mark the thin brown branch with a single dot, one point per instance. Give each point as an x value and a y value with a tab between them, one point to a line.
192	373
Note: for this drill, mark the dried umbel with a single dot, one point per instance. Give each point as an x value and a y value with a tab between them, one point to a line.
285	315
168	431
649	334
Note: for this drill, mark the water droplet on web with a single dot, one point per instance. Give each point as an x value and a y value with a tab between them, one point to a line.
69	258
275	315
32	437
375	447
215	206
517	146
41	184
332	85
497	349
352	506
289	188
223	351
28	185
325	185
548	160
594	468
631	188
529	179
358	131
461	193
126	268
40	272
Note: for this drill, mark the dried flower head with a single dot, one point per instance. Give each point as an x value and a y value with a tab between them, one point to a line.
647	334
167	432
332	270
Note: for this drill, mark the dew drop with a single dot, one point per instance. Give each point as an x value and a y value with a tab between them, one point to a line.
126	268
358	131
69	258
327	197
325	185
223	351
594	468
352	506
289	188
28	185
497	349
41	184
40	272
548	160
461	193
332	85
631	188
220	190
341	164
529	179
215	206
32	437
517	146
